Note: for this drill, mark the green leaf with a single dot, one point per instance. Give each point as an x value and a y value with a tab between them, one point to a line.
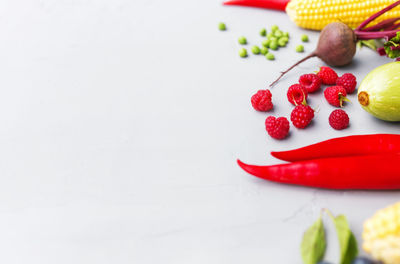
371	43
313	244
347	240
393	42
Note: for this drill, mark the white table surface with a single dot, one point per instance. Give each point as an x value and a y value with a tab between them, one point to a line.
120	125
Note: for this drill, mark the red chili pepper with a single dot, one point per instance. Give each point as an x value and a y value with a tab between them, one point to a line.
269	4
344	146
374	172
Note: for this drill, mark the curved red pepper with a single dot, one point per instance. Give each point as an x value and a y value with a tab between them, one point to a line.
269	4
344	146
374	172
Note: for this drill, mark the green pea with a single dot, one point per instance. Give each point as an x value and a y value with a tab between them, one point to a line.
255	50
263	32
243	53
273	45
299	48
282	42
286	34
242	40
278	33
274	28
221	26
285	39
264	50
265	42
270	56
270	35
273	39
304	38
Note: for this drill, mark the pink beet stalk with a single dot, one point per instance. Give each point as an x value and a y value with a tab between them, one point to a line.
385	29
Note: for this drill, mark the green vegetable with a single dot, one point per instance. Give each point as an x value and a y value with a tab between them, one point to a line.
299	48
270	35
286	39
243	52
255	50
304	38
273	39
273	45
379	92
265	42
263	32
371	43
393	42
278	33
221	26
347	241
286	34
270	56
313	244
242	40
264	50
274	28
282	42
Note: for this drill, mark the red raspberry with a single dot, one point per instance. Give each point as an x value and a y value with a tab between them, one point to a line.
301	116
335	95
311	82
261	101
338	119
348	81
327	75
277	128
296	94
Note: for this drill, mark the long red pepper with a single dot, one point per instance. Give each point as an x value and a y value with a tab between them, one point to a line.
374	172
269	4
344	146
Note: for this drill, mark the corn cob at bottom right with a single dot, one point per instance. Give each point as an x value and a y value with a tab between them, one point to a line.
381	235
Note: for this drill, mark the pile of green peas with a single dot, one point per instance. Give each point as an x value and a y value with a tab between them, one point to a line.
275	39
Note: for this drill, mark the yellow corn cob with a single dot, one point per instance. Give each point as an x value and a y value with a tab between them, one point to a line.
316	14
381	235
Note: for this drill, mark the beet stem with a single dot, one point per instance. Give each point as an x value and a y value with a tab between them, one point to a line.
394	26
361	35
374	16
388	23
291	67
381	51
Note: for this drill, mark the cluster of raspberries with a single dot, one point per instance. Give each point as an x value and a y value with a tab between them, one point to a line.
297	94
